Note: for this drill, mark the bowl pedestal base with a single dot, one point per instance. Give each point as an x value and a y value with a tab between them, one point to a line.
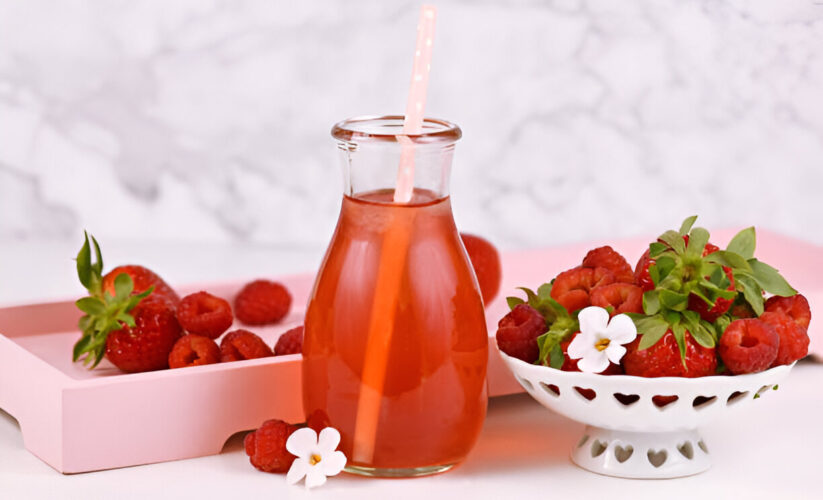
641	455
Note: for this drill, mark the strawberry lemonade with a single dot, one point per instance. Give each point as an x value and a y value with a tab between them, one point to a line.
395	346
434	395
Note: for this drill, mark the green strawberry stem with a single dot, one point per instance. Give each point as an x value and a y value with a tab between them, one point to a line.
680	270
104	313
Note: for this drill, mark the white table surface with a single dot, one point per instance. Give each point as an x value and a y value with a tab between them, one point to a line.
768	451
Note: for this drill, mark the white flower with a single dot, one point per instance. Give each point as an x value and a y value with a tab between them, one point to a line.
600	340
316	458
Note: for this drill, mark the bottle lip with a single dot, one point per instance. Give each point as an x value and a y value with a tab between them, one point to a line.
376	128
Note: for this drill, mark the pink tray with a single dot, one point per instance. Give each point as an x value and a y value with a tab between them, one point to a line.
78	420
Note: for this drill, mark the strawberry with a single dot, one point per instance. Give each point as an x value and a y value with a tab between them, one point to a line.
708	312
143	279
683	271
486	263
641	271
664	358
146	345
708	289
136	331
690	285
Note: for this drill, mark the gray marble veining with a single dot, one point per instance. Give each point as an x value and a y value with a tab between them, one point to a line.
208	121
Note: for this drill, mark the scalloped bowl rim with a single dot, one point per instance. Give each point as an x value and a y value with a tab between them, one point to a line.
647	383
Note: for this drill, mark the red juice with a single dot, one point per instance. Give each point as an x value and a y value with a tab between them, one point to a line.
396	288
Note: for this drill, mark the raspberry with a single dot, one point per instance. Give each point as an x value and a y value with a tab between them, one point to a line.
796	306
570	365
794	341
242	344
266	447
607	257
486	263
193	350
517	332
663	359
290	342
204	314
571	288
262	302
621	297
748	346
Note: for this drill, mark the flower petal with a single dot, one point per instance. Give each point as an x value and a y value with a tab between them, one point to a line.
580	346
301	442
594	362
593	319
328	440
333	463
298	469
615	352
315	477
621	329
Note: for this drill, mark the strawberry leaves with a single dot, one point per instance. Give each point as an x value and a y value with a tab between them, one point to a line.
104	313
751	276
651	328
90	274
770	279
687	224
680	270
743	243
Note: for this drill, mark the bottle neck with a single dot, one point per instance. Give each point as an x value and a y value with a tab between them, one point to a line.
373	168
378	156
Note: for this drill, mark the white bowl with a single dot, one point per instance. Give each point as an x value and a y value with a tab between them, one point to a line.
636	437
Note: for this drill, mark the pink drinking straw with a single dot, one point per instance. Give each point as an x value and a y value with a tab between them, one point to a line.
393	254
416	103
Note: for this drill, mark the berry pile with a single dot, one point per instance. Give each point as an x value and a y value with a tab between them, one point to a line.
698	310
139	323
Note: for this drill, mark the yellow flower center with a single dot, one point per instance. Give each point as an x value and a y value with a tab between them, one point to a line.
602	344
315	459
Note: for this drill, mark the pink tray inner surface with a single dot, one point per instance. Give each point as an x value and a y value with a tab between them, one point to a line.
56	401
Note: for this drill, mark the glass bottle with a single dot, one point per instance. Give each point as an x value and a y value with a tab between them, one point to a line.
395	345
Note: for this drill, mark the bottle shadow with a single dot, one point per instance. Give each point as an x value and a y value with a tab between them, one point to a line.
520	434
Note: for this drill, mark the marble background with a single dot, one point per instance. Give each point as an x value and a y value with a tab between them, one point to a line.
208	121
